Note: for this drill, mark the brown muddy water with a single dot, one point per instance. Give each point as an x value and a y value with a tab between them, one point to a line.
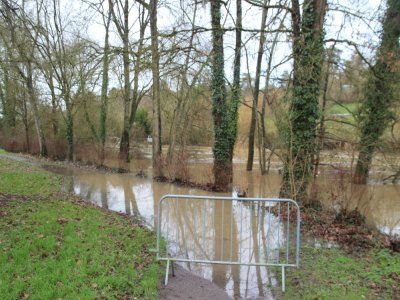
139	196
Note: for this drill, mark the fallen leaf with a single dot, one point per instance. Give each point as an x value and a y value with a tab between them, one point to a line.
62	221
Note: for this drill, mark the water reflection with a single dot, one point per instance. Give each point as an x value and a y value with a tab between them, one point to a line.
380	204
228	231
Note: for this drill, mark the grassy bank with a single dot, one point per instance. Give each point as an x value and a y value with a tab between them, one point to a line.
336	274
345	260
53	247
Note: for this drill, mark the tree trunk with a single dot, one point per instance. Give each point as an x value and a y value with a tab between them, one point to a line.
70	129
222	165
304	107
54	123
124	144
224	116
36	116
263	134
379	92
25	121
236	88
256	91
321	129
157	164
9	99
104	92
177	129
136	97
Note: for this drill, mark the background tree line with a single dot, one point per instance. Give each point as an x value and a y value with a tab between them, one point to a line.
92	76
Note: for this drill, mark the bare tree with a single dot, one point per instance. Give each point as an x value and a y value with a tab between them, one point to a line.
120	14
256	89
104	88
22	58
155	68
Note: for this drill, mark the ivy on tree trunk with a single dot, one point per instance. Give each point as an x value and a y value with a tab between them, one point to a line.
304	109
224	116
379	93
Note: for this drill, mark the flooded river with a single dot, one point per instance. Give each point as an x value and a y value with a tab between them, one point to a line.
135	195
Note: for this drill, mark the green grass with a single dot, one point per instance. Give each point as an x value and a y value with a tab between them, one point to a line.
334	274
2	151
52	247
26	180
343	108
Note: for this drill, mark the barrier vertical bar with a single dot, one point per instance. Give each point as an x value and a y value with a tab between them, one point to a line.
231	230
222	231
204	223
279	235
240	234
287	233
166	273
259	215
269	229
167	238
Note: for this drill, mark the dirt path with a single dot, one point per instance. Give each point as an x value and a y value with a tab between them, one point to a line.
186	285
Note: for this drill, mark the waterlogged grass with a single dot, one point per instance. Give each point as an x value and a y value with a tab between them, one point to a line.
52	248
335	274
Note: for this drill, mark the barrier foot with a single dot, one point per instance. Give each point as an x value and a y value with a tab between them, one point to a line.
172	268
283	279
166	273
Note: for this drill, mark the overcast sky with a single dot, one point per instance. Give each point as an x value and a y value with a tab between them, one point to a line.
359	26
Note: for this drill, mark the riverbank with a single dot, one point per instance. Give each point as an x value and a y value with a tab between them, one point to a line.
56	246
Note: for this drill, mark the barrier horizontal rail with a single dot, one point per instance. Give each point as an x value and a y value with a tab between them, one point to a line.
229	231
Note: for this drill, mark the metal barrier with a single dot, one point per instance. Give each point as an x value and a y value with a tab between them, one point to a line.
226	230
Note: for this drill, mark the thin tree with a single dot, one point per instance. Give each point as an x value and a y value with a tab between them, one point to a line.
236	87
155	68
20	49
104	88
256	89
123	28
131	99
